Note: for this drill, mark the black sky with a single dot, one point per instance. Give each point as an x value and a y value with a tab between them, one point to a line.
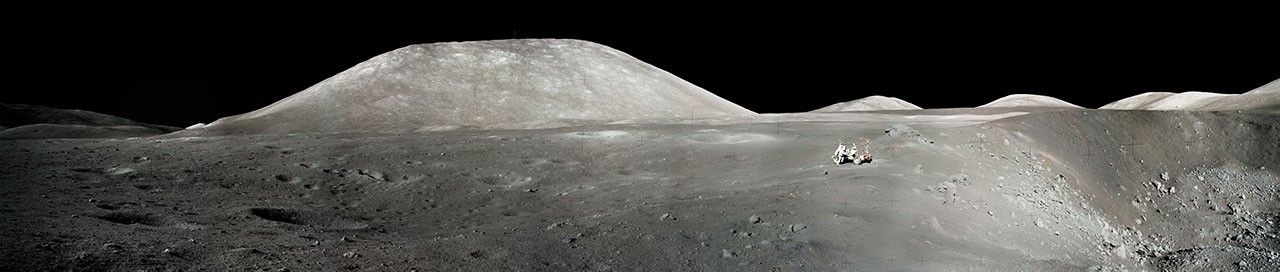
178	70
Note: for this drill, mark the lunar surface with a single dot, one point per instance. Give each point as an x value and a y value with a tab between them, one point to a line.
411	162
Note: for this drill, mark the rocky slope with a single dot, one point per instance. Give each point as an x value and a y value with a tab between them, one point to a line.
483	84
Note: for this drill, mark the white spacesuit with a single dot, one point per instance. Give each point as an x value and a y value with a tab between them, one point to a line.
849	153
844	153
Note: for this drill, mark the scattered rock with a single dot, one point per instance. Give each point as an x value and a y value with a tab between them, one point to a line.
945	189
900	130
959	179
797	227
119	171
372	174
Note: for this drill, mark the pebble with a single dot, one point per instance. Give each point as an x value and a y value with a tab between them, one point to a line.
798	227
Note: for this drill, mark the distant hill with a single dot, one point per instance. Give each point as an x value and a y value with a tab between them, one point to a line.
870	103
1029	100
18	121
503	83
1265	97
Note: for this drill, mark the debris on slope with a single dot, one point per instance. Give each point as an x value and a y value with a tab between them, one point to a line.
904	131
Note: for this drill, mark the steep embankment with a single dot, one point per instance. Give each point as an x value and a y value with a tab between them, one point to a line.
1177	190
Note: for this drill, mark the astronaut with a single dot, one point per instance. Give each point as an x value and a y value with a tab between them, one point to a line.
849	154
844	153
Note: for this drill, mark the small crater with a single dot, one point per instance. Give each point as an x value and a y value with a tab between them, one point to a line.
105	171
278	215
287	179
307	218
599	134
130	218
85	170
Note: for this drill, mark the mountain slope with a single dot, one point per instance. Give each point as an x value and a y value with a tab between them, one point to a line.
13	115
504	83
1261	98
18	121
870	103
1028	100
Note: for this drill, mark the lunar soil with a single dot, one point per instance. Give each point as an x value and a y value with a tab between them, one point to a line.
1067	190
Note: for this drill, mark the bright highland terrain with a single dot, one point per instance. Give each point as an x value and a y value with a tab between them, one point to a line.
870	103
491	84
1262	98
692	184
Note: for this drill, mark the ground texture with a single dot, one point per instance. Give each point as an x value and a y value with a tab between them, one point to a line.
1050	190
